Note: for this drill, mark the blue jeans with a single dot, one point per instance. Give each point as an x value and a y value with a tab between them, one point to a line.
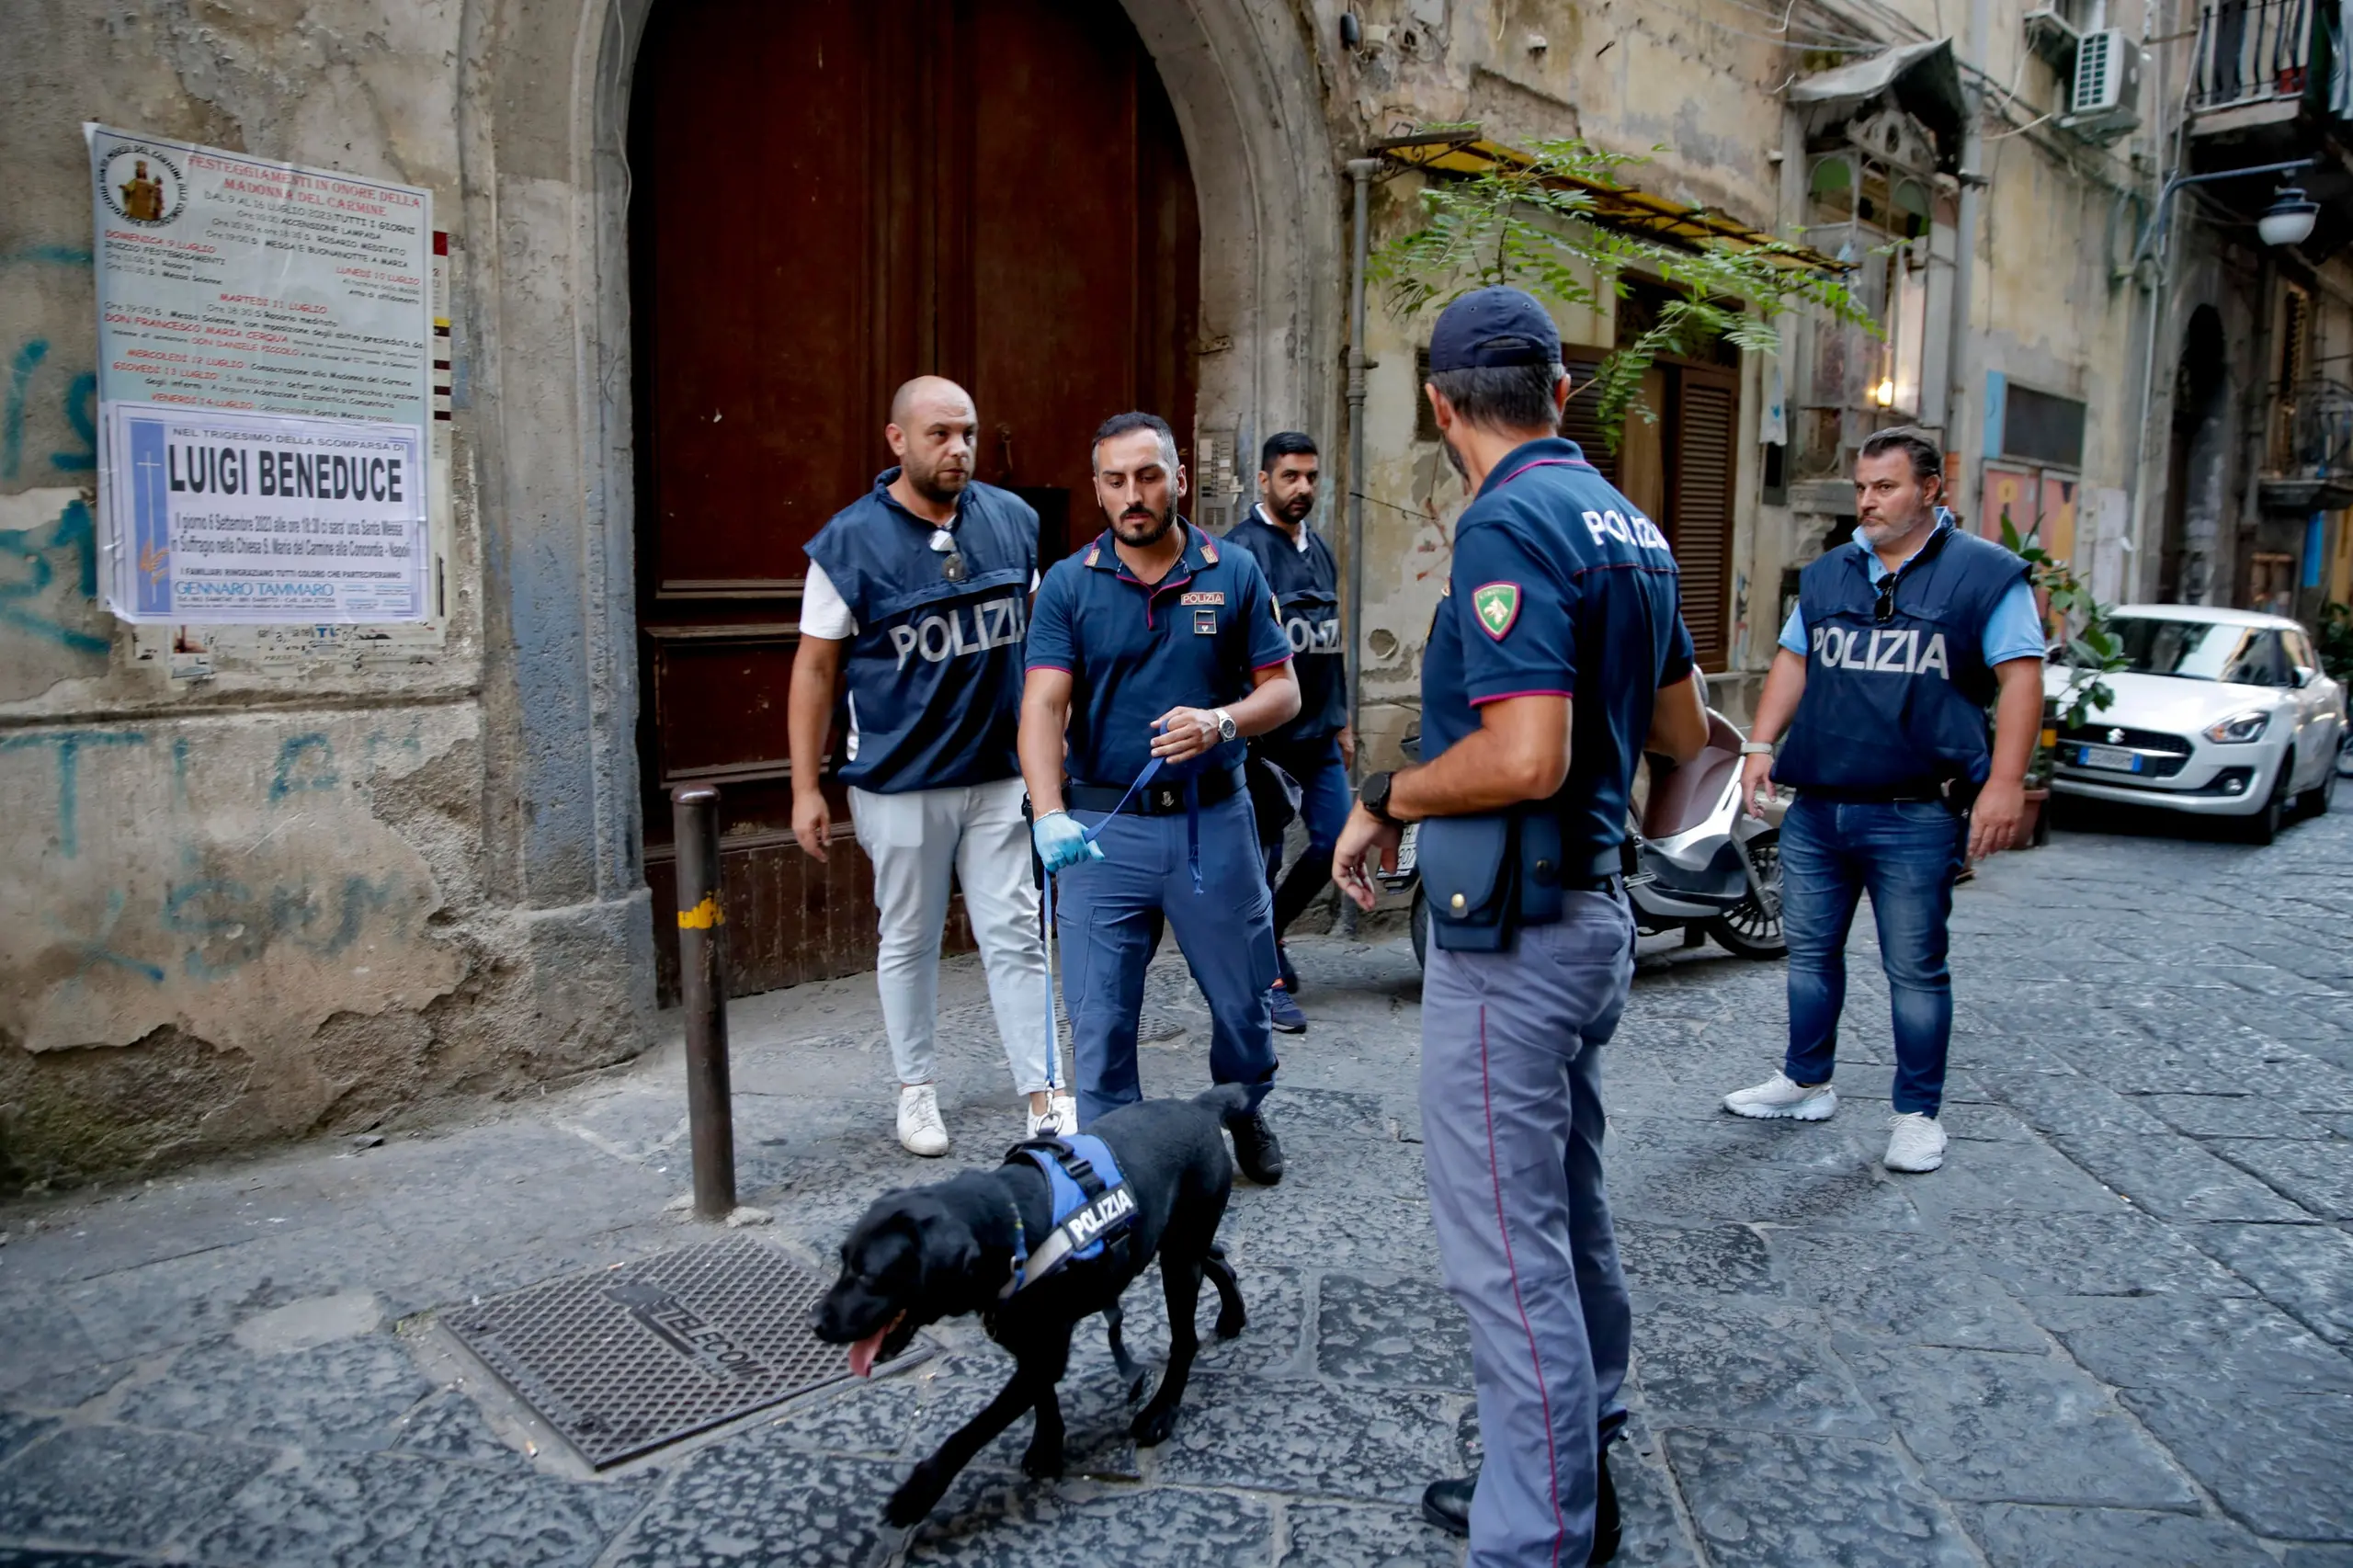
1325	800
1905	854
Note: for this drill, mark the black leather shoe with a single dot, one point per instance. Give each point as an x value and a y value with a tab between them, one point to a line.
1256	1149
1447	1504
1605	1512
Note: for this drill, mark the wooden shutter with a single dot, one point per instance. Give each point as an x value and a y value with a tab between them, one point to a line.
1698	521
1580	424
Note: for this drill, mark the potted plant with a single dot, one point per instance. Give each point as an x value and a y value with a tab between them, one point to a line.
2088	649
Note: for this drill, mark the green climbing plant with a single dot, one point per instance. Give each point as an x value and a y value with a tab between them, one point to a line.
2093	651
1524	227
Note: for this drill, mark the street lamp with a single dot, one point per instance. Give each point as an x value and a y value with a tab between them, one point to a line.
2289	220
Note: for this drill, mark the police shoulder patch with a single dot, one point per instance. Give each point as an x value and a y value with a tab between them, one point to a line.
1497	606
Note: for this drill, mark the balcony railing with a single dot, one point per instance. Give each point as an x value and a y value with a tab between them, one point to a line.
2312	449
2251	52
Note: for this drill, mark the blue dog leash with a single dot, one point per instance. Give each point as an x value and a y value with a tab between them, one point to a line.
1192	863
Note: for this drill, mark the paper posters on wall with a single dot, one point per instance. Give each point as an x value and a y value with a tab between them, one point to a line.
236	285
220	517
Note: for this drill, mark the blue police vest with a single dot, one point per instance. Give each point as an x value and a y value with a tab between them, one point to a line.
934	668
1306	584
1896	708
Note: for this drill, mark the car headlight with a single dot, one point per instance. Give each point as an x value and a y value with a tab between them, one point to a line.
2238	729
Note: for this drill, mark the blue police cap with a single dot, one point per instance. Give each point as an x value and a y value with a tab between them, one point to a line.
1495	327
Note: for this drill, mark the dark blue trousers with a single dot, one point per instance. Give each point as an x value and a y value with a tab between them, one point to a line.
1108	915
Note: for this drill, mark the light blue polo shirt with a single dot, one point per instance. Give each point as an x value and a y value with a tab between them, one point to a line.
2012	632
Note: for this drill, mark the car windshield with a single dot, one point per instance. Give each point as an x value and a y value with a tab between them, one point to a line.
2190	650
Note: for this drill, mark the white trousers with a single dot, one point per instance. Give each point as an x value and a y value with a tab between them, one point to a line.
914	839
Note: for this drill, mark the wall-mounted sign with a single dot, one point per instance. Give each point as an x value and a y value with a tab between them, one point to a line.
242	285
218	517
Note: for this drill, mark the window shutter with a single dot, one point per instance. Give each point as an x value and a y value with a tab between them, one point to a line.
1699	520
1580	424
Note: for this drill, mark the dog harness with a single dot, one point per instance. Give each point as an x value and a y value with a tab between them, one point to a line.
1092	1206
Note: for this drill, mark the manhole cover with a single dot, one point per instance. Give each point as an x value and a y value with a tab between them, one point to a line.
626	1359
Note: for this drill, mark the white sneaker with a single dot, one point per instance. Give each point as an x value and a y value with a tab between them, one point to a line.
1916	1143
920	1129
1779	1098
1060	1118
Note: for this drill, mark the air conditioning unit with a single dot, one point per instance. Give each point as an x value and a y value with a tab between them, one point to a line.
2104	102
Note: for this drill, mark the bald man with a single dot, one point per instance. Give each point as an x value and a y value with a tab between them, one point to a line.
920	590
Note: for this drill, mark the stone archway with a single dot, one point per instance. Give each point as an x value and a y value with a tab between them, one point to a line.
544	302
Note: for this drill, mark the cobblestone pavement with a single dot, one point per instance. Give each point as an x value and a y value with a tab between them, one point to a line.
2112	1330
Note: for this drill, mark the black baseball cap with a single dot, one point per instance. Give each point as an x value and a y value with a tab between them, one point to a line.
1490	328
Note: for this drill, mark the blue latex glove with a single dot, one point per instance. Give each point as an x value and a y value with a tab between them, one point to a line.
1061	842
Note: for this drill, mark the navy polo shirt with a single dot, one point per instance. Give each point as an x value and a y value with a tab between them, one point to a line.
1559	587
1196	639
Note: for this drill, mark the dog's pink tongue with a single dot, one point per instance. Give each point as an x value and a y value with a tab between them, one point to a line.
862	1354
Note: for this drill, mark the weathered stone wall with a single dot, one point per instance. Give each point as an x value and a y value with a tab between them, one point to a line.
288	896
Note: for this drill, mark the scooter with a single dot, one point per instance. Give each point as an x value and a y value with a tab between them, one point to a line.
1696	861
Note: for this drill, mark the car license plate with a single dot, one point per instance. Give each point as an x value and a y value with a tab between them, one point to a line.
2115	759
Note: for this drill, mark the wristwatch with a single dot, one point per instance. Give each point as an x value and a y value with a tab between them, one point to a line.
1373	796
1226	728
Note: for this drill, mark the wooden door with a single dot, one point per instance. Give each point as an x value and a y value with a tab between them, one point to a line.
829	197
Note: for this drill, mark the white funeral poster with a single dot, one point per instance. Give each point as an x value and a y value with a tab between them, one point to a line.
250	309
256	518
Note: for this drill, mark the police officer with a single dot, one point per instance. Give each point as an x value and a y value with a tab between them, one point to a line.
1898	643
920	587
1318	748
1557	655
1154	646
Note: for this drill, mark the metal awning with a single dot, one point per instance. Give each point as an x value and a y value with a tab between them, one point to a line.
1922	76
1462	150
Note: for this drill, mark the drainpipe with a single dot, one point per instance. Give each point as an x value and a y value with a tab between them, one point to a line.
1360	173
1964	395
2137	531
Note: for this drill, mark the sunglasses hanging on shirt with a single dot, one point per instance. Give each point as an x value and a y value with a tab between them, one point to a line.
952	560
1884	611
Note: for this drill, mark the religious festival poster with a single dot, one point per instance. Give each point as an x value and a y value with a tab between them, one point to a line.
232	283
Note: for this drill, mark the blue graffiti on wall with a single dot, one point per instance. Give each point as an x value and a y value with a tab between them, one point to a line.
36	553
233	924
69	744
77	400
304	762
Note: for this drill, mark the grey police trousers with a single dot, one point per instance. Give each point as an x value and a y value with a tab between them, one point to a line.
1511	1130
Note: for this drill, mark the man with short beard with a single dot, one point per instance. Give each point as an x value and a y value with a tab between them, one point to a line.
1318	748
920	587
1898	644
1151	654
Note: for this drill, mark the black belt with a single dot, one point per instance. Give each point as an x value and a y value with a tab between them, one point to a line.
1605	873
1161	798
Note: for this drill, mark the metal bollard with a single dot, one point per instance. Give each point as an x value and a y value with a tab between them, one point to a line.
702	974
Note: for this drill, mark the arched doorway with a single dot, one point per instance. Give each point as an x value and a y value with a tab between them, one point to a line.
828	198
2198	474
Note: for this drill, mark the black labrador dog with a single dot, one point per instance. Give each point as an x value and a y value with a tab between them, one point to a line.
922	1253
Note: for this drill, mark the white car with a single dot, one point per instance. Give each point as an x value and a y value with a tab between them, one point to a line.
2219	713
